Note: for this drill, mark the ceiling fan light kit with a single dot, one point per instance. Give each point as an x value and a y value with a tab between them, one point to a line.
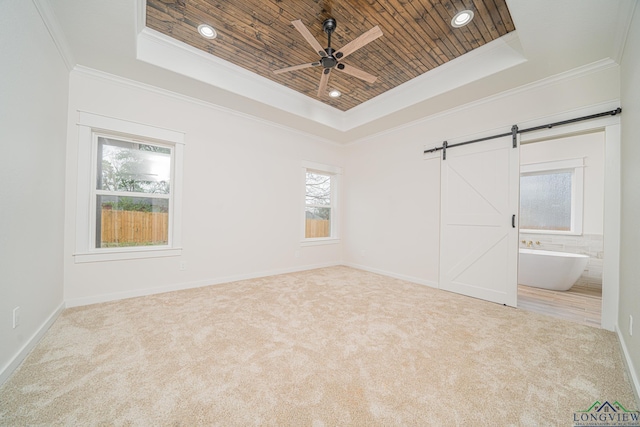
329	57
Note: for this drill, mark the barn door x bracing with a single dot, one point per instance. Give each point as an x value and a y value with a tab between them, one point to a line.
479	234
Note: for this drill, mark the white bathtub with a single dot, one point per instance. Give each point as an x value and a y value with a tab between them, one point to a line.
550	270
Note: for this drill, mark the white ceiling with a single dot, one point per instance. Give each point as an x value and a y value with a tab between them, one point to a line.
551	37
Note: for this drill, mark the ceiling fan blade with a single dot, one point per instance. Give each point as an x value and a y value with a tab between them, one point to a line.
360	41
356	72
302	29
323	82
296	67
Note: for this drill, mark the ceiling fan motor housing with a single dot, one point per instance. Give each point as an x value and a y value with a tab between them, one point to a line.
329	61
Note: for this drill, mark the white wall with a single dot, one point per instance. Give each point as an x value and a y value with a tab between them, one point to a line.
392	217
589	147
392	210
33	94
630	182
242	210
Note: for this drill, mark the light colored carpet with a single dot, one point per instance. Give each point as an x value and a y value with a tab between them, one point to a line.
327	347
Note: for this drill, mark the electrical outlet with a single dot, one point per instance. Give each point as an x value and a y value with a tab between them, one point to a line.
16	317
297	254
631	325
183	265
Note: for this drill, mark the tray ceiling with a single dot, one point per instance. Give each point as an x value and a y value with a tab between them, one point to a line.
258	36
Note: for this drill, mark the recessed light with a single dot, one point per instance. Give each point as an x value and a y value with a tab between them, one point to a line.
207	31
335	93
462	18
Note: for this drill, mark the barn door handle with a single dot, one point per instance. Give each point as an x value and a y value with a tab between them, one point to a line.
513	221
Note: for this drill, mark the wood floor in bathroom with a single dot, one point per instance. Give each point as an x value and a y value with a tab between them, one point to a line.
579	304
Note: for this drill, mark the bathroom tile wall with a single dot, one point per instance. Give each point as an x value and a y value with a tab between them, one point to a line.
586	244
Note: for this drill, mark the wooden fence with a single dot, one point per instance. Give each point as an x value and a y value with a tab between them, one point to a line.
317	228
132	228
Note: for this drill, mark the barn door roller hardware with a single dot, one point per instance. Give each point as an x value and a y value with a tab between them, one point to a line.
515	131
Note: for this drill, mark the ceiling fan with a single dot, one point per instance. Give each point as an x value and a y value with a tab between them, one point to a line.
329	57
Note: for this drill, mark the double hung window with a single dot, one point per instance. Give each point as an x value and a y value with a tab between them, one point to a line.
129	190
320	203
133	193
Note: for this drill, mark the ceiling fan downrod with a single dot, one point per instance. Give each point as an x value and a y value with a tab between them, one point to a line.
329	26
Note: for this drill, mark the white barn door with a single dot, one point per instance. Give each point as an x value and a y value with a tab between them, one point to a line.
479	235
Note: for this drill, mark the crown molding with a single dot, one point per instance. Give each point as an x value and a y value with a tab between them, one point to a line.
133	84
626	10
50	20
488	59
575	73
165	52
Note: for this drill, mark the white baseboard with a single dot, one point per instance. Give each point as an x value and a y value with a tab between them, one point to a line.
14	363
394	275
631	371
96	299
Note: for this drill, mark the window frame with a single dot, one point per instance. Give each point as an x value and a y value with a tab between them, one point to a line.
334	172
576	168
90	128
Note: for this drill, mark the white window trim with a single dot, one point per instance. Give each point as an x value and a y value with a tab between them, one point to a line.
576	167
88	126
335	214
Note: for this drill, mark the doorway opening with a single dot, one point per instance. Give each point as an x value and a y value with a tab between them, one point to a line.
562	191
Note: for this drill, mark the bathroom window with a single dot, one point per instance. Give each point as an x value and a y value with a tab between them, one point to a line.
551	197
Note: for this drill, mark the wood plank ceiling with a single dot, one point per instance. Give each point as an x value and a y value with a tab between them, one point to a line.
258	35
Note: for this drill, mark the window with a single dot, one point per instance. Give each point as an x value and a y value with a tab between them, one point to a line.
132	193
320	203
129	184
551	197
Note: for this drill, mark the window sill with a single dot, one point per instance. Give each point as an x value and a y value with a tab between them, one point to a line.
320	241
117	255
